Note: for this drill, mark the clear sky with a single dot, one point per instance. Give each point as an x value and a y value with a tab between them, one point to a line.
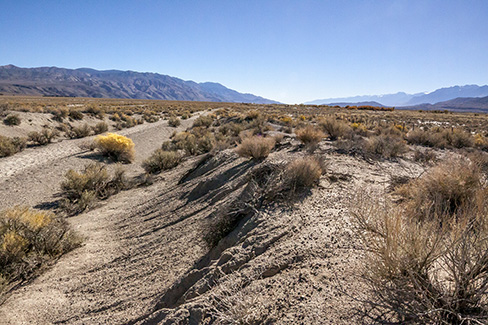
290	51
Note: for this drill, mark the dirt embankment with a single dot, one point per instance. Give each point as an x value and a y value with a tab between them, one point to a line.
144	259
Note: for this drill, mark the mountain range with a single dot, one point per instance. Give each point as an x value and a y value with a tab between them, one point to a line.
84	82
404	99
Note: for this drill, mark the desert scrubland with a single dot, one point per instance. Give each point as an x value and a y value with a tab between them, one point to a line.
141	212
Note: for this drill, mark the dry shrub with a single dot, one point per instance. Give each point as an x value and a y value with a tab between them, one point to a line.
183	141
309	135
4	107
259	125
286	121
95	111
230	129
10	146
30	237
161	160
426	138
253	114
116	147
441	138
125	121
334	128
206	143
116	117
424	271
284	183
43	137
81	189
12	119
445	190
480	158
459	139
185	115
79	132
174	121
75	114
428	256
360	129
302	173
392	131
100	127
150	117
204	121
60	114
480	142
425	156
385	146
255	147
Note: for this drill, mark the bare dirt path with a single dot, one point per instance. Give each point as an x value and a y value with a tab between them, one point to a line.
32	176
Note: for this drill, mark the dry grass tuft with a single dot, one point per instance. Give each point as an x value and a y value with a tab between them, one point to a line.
385	146
161	160
302	173
79	132
100	127
309	135
116	147
445	190
334	128
255	147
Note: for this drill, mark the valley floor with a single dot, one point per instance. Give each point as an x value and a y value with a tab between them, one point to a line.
143	259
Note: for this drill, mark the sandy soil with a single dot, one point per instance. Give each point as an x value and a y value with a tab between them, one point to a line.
144	260
32	177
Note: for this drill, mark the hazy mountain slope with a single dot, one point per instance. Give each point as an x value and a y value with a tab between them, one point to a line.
52	81
449	93
472	104
387	100
376	104
404	99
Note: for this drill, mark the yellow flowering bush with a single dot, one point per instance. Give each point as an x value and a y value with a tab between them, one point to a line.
116	147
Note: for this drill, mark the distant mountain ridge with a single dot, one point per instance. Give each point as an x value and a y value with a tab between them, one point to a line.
386	100
404	99
375	104
85	82
461	104
445	94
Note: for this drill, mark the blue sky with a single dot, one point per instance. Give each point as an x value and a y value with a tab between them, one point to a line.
290	51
